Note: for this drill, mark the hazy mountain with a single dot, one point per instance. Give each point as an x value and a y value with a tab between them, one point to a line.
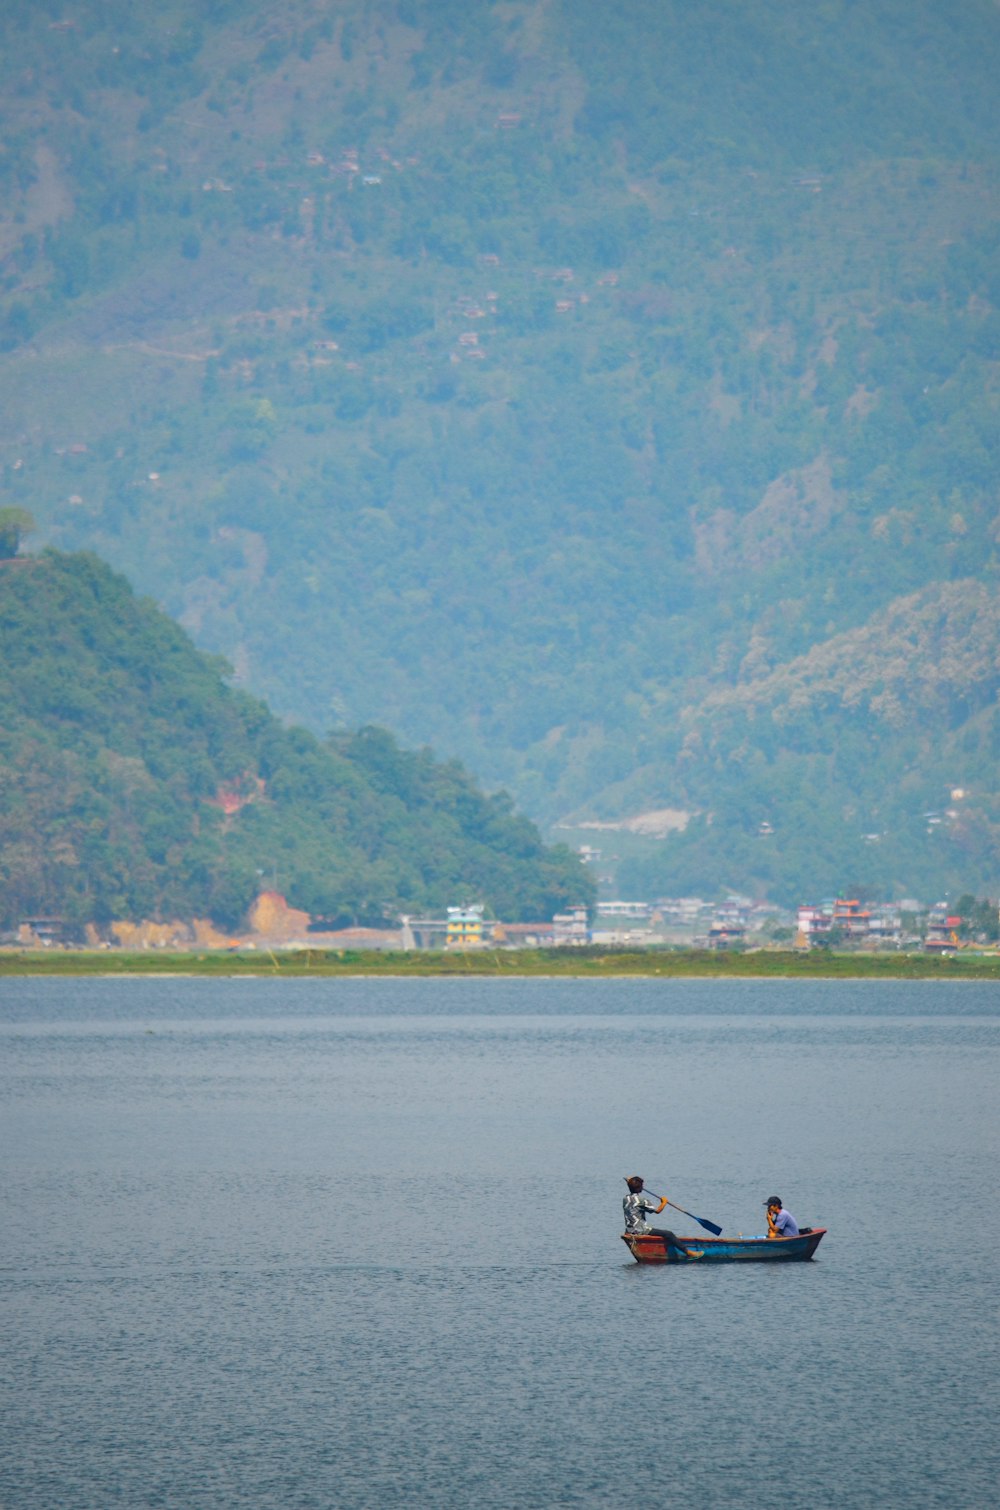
821	769
536	379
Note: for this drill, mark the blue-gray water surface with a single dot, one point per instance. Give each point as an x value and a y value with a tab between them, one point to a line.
355	1243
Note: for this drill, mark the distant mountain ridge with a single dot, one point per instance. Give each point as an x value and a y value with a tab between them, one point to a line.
530	378
137	785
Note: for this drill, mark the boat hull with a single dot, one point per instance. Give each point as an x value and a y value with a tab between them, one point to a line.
650	1248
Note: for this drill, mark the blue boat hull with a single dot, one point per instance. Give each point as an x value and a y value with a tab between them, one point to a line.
650	1248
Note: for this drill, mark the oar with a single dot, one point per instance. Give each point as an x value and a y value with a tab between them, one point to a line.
708	1226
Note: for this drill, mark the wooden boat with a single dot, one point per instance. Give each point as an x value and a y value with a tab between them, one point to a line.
650	1248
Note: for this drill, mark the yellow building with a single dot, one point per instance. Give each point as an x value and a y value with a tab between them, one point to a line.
465	927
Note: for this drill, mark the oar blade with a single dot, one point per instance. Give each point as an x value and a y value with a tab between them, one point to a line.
702	1221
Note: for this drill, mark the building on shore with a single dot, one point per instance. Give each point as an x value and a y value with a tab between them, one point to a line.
942	930
465	928
571	927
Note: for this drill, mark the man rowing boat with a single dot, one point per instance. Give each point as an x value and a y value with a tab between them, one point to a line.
635	1205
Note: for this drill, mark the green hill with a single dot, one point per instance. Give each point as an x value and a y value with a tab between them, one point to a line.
137	784
528	378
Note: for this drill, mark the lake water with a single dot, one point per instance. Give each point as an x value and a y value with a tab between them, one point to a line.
355	1243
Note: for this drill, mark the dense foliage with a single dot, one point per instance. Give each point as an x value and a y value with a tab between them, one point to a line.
799	758
135	783
980	919
536	379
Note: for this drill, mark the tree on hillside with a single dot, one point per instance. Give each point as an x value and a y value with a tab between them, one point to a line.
13	524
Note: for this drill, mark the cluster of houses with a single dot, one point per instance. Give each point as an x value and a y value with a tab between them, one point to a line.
671	921
690	921
469	928
839	922
894	925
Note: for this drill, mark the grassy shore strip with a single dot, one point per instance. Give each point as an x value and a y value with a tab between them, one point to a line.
591	962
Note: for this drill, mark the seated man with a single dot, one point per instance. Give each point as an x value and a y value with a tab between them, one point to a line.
635	1205
780	1223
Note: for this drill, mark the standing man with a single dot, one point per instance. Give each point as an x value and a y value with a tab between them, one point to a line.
635	1205
780	1223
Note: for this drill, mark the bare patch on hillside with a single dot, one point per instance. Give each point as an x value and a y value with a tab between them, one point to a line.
46	201
861	403
655	824
795	507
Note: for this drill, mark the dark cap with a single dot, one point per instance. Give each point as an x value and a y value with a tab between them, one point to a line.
773	1200
632	1180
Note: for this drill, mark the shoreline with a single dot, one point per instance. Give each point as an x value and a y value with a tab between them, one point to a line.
534	964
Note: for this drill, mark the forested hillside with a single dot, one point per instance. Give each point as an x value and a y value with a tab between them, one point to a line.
912	692
134	783
558	384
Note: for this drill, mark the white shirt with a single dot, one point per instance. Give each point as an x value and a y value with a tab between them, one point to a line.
634	1205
